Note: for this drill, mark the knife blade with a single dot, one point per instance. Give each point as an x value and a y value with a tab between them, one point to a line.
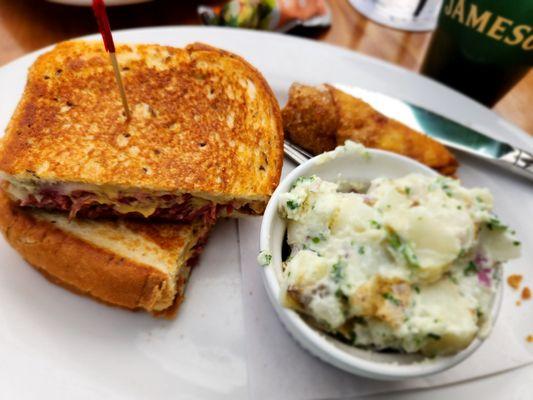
450	133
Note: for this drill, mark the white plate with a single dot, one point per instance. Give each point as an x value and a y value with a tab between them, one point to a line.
54	344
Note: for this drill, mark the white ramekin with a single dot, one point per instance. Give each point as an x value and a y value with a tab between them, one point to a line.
386	366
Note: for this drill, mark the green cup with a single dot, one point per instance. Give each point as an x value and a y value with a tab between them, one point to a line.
481	47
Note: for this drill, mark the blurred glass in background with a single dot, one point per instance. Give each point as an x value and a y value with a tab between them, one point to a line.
409	15
482	47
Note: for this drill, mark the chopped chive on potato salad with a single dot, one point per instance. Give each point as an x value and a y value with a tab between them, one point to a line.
409	264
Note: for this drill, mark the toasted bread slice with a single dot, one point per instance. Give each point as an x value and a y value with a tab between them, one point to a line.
320	118
136	265
205	130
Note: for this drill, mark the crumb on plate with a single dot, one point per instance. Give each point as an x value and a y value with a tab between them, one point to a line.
526	293
514	281
529	338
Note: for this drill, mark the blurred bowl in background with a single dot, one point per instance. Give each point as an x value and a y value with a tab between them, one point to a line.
88	3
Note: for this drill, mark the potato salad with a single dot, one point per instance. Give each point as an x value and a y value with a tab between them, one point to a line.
409	264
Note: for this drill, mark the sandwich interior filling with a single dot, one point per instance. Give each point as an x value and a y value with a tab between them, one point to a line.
92	202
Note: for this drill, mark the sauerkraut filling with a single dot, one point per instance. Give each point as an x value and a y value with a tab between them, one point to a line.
409	264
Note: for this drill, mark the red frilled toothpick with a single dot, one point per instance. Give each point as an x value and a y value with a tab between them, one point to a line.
103	25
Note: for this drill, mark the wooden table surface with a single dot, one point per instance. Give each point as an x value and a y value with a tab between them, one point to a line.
27	25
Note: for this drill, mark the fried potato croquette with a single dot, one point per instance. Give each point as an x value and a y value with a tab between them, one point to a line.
320	118
310	118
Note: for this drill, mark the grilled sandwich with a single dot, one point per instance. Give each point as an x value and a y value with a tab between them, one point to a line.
132	264
204	138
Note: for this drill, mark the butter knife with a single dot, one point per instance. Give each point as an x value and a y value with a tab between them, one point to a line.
444	130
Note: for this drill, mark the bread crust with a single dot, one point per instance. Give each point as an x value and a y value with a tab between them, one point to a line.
80	266
275	143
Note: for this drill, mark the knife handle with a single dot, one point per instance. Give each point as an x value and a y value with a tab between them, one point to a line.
519	161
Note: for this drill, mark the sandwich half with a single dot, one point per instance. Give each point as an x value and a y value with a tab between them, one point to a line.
205	135
132	264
